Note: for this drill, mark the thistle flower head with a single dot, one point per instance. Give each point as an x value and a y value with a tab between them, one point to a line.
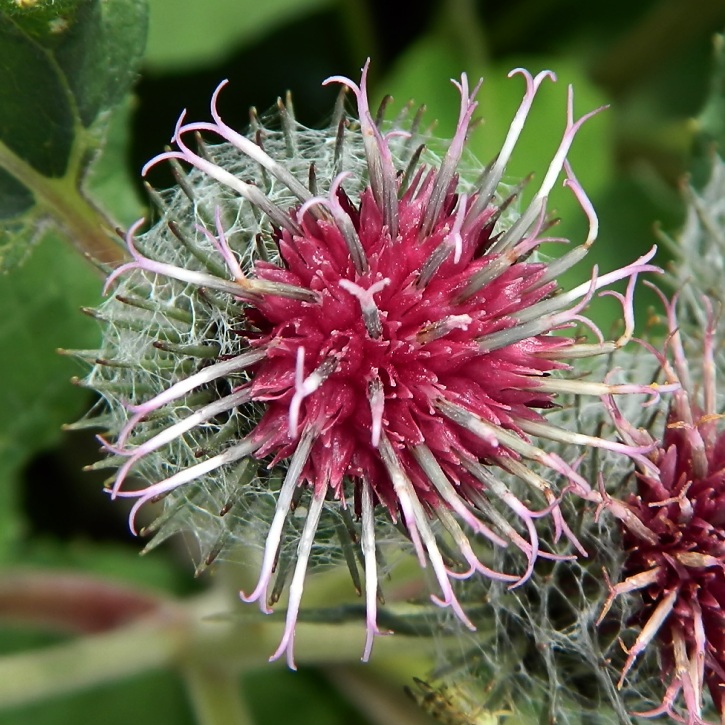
674	537
342	324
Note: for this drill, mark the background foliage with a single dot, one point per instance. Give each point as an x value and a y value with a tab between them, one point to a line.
66	68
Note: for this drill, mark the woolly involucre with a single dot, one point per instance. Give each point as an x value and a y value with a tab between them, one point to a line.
342	324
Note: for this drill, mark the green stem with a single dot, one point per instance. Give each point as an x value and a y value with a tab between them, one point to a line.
245	641
211	650
31	677
216	696
88	229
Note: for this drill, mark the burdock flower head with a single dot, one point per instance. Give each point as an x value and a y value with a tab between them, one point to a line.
674	536
342	325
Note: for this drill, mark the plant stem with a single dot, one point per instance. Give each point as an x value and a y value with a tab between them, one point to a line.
88	229
73	602
142	632
89	661
216	695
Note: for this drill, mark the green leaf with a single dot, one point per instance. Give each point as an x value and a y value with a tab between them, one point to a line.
36	113
154	698
423	74
308	700
710	124
102	51
625	207
712	119
63	66
110	182
64	63
110	560
203	33
14	197
40	304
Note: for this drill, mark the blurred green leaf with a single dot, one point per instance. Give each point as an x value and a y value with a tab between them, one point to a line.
627	204
63	65
710	124
308	700
40	304
110	561
423	74
155	698
110	182
187	34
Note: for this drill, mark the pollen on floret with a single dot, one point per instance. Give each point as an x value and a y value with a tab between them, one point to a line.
338	318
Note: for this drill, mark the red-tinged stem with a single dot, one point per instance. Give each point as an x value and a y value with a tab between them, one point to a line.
72	602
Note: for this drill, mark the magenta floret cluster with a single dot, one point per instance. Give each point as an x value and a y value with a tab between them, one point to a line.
674	536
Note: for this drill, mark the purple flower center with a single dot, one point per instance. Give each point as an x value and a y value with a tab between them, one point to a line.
377	351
